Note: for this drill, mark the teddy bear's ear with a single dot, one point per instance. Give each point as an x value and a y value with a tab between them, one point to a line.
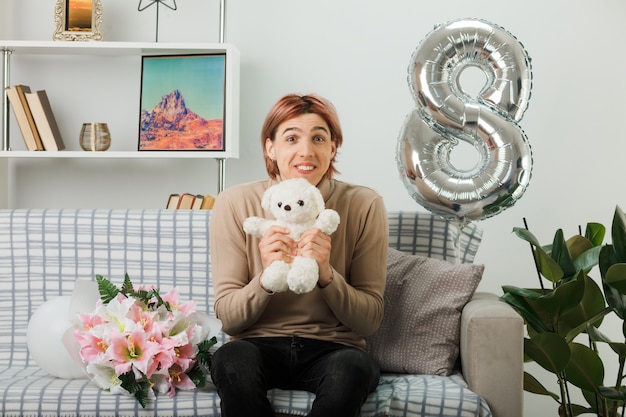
266	200
316	195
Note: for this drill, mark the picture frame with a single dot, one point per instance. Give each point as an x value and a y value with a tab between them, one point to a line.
183	102
78	20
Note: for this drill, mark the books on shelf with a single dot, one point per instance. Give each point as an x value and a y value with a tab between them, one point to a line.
188	201
172	201
207	202
35	118
24	117
45	121
197	202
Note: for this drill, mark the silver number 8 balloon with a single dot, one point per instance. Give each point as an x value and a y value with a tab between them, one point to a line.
446	114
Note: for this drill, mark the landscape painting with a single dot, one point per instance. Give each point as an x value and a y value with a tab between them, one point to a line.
182	103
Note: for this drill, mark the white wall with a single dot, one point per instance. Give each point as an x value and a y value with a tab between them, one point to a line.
356	53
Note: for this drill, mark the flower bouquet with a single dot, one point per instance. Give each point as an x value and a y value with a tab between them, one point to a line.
141	343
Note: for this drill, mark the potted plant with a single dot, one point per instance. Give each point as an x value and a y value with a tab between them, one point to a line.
563	316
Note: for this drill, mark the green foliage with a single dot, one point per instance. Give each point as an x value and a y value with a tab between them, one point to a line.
141	389
107	290
531	384
127	286
200	369
549	350
204	353
571	306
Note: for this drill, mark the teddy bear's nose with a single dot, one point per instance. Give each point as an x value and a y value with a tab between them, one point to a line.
287	207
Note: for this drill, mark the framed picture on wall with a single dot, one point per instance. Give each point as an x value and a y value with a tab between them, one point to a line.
182	102
77	20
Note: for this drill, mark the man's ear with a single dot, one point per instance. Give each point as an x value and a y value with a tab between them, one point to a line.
269	149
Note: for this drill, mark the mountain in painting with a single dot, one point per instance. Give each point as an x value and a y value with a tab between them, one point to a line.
170	125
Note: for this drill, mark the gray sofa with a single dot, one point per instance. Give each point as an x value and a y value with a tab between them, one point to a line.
43	252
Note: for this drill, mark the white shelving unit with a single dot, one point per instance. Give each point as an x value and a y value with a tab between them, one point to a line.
65	52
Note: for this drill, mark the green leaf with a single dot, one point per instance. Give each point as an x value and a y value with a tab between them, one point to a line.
606	258
608	397
560	253
594	401
583	327
167	305
618	348
527	236
595	233
618	234
597	336
513	297
204	354
531	294
590	305
549	350
144	295
543	262
578	245
616	277
614	298
531	384
578	410
564	297
612	393
139	388
616	301
197	375
585	368
548	267
107	290
588	259
127	286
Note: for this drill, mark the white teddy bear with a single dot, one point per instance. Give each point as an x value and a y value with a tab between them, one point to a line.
299	206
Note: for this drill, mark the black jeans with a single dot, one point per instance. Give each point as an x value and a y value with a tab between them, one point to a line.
341	377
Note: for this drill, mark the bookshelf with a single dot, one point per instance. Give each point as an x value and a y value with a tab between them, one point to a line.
22	54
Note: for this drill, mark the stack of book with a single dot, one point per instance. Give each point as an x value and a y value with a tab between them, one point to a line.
35	118
188	201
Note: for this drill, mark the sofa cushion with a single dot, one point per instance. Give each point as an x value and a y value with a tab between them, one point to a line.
420	330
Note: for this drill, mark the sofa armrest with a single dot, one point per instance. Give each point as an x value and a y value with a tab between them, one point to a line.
492	353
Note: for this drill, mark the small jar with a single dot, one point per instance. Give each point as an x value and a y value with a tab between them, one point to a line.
95	137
